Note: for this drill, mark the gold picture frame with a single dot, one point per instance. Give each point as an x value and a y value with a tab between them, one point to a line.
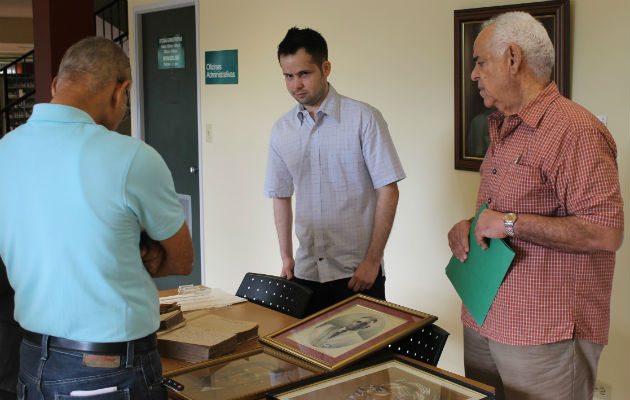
244	376
396	377
347	331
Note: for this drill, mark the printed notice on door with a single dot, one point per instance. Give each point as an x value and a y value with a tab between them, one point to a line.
171	52
221	67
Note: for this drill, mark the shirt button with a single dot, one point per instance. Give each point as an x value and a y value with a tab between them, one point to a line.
489	201
494	171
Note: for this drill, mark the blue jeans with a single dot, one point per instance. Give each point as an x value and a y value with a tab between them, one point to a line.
51	373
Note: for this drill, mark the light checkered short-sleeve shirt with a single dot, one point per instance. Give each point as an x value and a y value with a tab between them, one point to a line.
554	158
333	163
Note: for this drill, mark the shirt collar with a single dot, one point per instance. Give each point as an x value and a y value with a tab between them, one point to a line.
59	113
330	106
533	111
530	114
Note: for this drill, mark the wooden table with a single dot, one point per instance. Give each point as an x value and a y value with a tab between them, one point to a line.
268	321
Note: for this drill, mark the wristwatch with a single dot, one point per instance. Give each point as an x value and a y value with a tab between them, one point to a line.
508	220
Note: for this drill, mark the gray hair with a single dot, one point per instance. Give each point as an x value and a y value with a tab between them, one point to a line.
96	61
528	34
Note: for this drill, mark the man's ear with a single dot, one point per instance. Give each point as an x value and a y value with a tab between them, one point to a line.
119	95
326	68
515	58
53	87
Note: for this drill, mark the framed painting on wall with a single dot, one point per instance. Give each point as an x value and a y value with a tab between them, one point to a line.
471	116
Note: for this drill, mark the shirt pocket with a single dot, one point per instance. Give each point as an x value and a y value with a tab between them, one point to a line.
526	189
345	170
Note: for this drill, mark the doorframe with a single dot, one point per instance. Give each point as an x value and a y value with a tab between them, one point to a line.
137	130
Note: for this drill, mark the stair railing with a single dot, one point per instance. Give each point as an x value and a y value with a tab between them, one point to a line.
13	104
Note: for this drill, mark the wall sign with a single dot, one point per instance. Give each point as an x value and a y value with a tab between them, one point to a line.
221	67
171	52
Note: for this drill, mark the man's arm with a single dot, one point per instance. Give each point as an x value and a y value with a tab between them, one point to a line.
570	234
172	256
367	272
283	217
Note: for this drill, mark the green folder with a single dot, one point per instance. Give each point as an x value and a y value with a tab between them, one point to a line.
477	279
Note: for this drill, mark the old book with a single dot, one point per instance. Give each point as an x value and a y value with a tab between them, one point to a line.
169	307
195	344
244	330
170	319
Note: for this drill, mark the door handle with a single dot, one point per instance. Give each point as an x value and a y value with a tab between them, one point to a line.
194	170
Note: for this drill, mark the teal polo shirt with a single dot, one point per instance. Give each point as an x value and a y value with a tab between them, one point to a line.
74	198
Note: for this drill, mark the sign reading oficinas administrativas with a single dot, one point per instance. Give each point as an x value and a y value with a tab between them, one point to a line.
171	52
221	67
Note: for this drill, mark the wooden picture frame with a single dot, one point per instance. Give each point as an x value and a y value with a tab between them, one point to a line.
471	127
244	376
347	331
396	377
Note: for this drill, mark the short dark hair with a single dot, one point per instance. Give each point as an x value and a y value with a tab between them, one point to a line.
308	39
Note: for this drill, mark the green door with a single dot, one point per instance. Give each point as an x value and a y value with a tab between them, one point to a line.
169	85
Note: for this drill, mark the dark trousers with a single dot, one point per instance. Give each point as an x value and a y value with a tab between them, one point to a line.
10	338
328	293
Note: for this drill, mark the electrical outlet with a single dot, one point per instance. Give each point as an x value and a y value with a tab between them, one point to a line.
602	391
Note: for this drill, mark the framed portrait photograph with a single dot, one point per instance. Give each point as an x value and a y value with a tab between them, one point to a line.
347	331
471	116
244	376
395	378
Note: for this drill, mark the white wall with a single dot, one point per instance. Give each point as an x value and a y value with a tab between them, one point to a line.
397	56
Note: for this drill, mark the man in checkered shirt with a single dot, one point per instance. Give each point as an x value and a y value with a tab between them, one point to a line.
550	181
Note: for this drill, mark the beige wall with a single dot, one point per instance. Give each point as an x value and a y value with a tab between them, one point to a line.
397	56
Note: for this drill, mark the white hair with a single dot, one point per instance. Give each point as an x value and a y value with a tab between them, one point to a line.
528	34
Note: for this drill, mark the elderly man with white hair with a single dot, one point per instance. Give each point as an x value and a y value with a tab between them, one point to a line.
550	181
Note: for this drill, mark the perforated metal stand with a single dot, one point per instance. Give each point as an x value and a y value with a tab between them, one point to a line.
280	294
425	344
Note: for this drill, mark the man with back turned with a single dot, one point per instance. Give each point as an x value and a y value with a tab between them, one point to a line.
76	197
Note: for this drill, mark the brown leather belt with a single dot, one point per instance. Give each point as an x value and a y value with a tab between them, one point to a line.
143	345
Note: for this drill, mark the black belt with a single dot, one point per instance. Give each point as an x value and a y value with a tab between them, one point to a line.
143	345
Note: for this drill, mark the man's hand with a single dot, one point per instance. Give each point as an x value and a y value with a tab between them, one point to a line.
458	239
287	268
364	276
151	252
489	225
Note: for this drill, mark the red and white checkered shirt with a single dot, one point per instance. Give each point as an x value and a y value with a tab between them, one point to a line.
553	158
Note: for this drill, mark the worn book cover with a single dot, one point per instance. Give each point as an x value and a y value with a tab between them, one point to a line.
204	336
195	344
244	330
170	319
